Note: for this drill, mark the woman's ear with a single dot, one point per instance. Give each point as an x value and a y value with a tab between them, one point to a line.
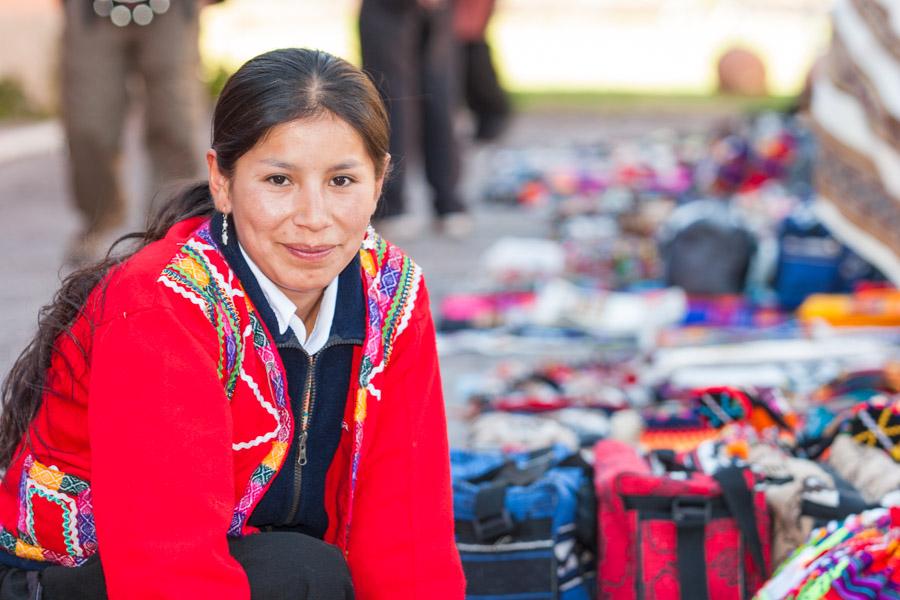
218	183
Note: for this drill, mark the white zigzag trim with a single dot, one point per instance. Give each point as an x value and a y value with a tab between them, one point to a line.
413	293
65	498
374	391
404	321
199	245
232	292
268	408
201	248
183	292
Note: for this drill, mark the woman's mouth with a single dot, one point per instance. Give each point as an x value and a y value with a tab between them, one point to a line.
308	252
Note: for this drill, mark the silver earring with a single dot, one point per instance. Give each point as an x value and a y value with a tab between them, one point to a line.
225	228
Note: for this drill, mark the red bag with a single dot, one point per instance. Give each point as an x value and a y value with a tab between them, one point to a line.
679	536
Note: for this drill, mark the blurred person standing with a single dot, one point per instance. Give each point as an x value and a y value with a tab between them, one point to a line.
408	48
106	43
482	92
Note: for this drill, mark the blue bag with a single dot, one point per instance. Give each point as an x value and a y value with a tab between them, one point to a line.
811	260
525	524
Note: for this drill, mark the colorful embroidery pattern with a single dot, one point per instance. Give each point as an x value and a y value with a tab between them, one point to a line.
50	492
392	283
266	470
193	274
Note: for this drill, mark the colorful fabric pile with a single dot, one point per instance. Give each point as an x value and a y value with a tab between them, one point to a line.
856	558
727	327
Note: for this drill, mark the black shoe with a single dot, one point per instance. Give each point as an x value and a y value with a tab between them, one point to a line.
491	126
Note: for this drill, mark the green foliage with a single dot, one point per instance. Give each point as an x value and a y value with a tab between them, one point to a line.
14	104
216	76
604	101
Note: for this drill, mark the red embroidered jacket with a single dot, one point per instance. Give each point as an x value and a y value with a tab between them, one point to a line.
162	439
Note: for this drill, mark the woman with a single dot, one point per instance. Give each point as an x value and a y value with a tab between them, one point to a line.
194	420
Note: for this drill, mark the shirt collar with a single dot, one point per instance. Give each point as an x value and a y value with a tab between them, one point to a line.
348	324
286	311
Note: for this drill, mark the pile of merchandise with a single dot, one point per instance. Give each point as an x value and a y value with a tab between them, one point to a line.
713	232
736	406
854	558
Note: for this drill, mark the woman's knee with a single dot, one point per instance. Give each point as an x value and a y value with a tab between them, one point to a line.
293	566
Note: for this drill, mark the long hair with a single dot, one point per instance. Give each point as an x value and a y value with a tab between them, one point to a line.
274	88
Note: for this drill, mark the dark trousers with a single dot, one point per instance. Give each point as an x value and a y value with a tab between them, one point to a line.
483	94
279	565
410	54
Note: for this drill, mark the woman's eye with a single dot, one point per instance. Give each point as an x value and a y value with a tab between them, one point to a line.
341	181
277	179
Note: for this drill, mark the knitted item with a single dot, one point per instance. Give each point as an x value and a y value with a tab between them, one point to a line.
877	423
870	470
856	558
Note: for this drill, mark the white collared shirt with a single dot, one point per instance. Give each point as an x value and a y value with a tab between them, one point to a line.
286	311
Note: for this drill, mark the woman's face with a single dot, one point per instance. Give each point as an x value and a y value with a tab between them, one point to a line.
301	200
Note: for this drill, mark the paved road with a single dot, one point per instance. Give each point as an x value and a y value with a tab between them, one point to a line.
36	221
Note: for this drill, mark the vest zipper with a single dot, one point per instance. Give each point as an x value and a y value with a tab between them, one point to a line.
309	399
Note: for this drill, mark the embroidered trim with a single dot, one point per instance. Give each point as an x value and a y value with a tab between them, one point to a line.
193	274
392	283
72	496
266	470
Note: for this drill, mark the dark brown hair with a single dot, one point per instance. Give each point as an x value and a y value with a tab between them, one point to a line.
273	88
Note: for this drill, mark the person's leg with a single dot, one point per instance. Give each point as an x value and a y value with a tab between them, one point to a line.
439	98
16	584
279	566
484	95
168	58
387	42
79	583
292	566
94	101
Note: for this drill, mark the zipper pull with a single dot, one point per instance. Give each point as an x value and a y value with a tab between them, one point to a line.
301	449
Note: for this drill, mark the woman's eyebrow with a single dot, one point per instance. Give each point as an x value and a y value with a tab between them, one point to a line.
350	163
279	164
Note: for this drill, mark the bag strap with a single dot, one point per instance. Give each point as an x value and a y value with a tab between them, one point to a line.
492	519
510	473
690	539
837	503
739	499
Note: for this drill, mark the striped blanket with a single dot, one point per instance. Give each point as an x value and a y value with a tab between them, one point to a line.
856	112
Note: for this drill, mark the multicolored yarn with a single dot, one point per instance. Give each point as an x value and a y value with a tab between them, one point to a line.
72	499
392	282
858	559
193	274
264	473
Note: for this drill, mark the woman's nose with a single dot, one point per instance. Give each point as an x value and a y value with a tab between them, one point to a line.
311	209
